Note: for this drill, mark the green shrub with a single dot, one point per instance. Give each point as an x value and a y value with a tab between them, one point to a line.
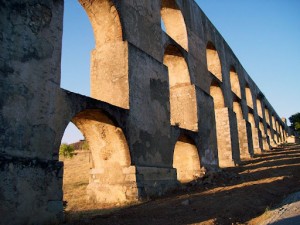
66	150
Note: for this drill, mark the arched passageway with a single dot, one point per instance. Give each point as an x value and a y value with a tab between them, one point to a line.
235	83
267	116
244	132
265	144
255	134
186	160
109	78
259	108
228	147
213	61
75	154
111	176
183	102
75	58
249	97
174	23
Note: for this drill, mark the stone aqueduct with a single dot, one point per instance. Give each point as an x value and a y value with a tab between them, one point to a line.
163	105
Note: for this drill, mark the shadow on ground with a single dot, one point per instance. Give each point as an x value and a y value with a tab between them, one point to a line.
233	196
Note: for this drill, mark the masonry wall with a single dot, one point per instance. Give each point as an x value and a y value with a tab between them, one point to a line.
35	110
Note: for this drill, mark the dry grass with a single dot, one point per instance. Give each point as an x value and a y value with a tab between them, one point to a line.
75	181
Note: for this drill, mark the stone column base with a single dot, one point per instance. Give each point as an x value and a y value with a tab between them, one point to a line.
155	181
138	183
245	149
106	189
255	137
228	146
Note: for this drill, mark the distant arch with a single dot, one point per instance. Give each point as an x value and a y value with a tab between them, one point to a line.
213	61
267	115
262	128
177	67
273	123
183	103
186	160
237	108
249	97
251	120
269	133
217	94
174	22
259	108
235	83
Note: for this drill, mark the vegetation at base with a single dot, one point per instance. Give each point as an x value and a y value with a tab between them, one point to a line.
66	150
295	122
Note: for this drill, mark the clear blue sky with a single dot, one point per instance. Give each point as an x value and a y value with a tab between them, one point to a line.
264	35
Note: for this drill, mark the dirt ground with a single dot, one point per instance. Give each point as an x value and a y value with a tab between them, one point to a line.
238	195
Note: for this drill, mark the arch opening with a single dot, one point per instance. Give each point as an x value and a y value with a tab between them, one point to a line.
262	128
267	115
217	94
183	104
174	23
75	60
186	160
228	150
110	168
237	108
251	119
259	108
235	83
249	98
273	123
76	169
246	148
213	61
109	78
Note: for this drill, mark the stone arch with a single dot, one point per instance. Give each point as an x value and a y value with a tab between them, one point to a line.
110	158
256	139
213	61
237	108
177	66
183	102
75	57
276	126
261	127
246	148
186	160
174	22
267	115
217	94
109	78
251	119
235	83
269	132
265	144
273	123
259	108
228	146
249	98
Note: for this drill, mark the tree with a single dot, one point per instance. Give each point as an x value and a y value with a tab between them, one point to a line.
295	122
66	150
